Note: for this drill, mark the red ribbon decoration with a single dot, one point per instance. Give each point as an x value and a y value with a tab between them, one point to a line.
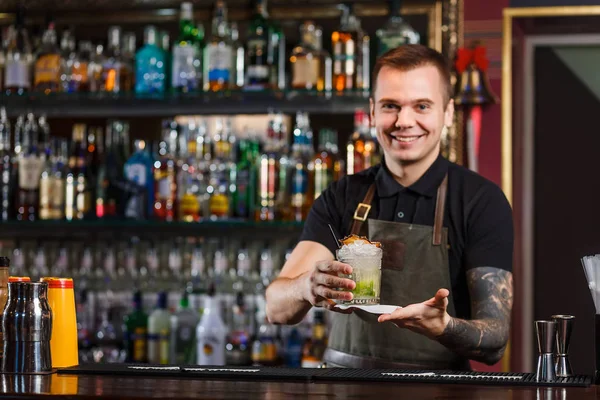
466	56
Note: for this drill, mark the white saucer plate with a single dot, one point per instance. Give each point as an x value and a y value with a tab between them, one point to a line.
373	309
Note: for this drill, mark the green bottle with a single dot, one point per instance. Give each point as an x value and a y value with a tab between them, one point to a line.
136	338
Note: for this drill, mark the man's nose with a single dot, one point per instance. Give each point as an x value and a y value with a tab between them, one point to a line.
405	118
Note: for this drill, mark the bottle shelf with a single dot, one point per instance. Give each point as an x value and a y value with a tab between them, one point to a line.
107	105
60	230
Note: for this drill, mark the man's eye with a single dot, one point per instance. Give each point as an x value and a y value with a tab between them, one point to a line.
389	106
423	107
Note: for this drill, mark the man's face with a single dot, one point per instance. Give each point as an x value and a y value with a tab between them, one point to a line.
409	113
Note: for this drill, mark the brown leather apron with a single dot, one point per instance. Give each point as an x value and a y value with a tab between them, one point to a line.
414	266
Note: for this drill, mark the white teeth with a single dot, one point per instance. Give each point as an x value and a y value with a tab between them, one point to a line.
407	139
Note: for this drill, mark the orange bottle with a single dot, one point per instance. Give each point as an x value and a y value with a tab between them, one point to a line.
63	343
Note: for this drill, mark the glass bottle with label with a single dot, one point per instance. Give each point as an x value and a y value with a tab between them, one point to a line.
159	325
128	51
218	53
396	32
17	68
116	76
109	193
67	61
52	182
186	71
78	196
361	149
268	165
150	65
165	183
259	50
327	163
95	69
314	348
183	334
30	164
239	58
136	325
48	64
301	168
80	71
311	66
6	174
211	333
350	54
138	170
244	197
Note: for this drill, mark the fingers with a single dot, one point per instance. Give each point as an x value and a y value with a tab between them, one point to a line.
440	299
328	293
398	314
333	281
334	267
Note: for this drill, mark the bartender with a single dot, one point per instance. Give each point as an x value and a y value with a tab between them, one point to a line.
447	236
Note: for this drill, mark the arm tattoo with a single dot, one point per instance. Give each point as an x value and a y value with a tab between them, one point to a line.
484	337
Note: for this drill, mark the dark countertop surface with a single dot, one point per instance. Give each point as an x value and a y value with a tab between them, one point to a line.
143	387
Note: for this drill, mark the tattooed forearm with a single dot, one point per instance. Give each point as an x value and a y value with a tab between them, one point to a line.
484	337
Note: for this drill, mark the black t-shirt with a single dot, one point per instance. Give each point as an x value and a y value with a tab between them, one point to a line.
477	215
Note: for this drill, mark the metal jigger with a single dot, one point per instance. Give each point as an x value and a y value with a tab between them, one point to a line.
564	326
546	339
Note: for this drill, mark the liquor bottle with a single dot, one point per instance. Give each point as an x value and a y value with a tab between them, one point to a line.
136	328
396	32
158	332
6	173
218	53
44	135
78	196
138	170
3	45
47	64
311	66
52	182
17	68
301	169
150	63
268	172
327	163
81	73
164	43
108	192
244	198
165	183
4	266
260	51
186	71
361	147
115	74
211	333
314	348
350	54
239	346
183	334
67	62
188	184
264	347
30	165
96	69
128	51
239	58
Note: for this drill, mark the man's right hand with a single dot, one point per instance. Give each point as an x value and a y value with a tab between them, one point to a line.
322	284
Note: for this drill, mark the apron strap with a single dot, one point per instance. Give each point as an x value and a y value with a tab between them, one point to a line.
440	204
362	210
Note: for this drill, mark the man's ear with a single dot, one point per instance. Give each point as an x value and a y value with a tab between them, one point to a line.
449	113
372	110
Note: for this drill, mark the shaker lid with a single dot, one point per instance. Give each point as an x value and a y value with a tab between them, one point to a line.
19	279
4	262
58	283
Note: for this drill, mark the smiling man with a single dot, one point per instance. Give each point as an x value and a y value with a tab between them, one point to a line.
447	235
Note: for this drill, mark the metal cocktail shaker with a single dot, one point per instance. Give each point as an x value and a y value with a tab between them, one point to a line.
27	327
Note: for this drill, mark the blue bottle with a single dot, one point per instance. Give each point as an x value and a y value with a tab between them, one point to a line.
138	170
150	65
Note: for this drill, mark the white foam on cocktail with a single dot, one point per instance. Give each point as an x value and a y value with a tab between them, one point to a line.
359	248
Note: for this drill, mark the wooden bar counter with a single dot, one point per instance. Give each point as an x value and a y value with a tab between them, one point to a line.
140	387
